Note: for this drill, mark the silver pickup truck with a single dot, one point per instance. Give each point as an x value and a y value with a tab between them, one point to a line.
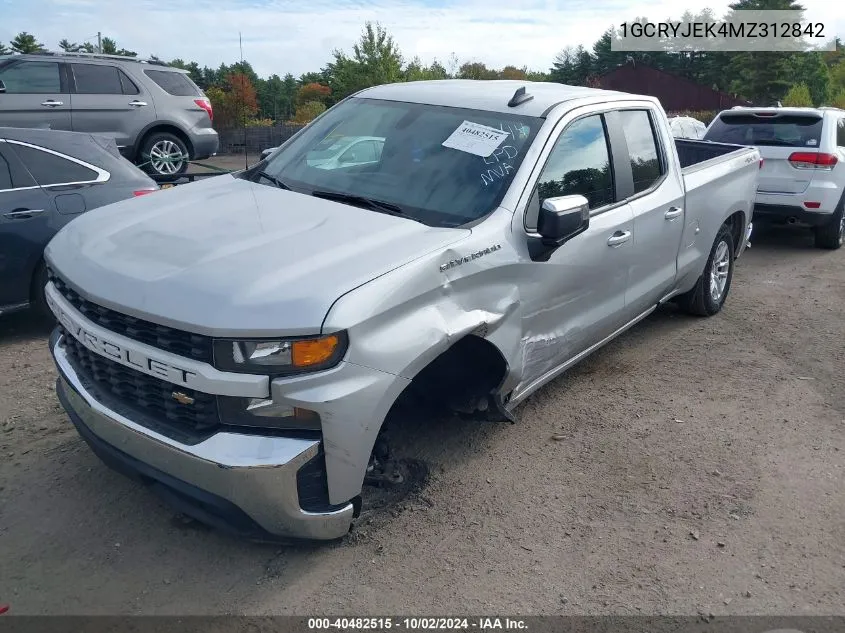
240	343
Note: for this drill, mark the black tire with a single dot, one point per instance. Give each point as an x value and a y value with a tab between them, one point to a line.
37	298
832	235
166	147
700	301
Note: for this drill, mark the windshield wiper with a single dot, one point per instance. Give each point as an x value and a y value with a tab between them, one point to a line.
361	201
274	180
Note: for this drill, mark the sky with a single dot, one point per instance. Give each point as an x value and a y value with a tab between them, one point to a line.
296	36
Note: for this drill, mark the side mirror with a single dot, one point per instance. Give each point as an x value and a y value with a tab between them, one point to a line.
2	87
563	218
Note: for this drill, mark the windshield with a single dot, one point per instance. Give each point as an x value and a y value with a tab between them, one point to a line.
393	152
786	130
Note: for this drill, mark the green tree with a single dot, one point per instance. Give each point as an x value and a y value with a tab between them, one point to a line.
762	76
375	60
512	72
308	111
416	71
809	68
572	66
838	100
837	76
476	70
313	78
4	50
289	88
26	43
538	75
798	96
110	48
272	100
73	47
605	59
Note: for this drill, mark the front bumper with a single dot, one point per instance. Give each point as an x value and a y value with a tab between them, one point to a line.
246	484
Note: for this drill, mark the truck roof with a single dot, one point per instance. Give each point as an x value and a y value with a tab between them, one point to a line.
489	95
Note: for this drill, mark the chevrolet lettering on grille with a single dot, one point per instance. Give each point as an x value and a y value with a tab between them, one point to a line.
110	349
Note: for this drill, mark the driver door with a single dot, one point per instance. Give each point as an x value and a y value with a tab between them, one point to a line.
576	297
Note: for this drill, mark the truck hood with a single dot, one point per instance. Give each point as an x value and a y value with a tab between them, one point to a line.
231	257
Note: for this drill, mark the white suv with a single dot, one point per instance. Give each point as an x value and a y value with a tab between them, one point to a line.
802	180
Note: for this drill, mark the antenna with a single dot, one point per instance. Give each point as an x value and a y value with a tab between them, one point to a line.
241	105
519	97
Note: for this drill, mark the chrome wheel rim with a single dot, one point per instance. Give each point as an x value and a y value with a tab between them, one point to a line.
719	271
166	157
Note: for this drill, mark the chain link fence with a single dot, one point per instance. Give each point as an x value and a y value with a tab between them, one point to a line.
254	139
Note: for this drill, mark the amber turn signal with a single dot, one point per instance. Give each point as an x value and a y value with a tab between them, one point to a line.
314	351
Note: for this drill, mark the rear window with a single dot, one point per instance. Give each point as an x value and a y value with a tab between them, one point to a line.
177	84
786	130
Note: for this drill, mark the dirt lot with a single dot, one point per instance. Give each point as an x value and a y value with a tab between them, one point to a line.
700	469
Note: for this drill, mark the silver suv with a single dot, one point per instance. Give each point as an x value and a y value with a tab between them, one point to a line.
156	115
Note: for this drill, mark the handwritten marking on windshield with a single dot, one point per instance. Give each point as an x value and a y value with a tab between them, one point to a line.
496	173
508	151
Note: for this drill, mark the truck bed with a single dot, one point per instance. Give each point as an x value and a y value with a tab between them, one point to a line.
691	152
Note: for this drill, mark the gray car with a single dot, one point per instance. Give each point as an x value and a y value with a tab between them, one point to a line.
47	178
155	114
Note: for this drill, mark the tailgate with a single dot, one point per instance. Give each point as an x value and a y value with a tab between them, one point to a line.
778	175
777	135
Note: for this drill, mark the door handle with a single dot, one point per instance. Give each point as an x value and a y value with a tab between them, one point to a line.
620	237
50	103
138	104
673	212
23	214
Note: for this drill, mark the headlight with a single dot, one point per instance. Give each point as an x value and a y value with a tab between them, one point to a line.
280	357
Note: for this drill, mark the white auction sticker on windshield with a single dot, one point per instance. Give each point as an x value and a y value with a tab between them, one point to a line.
475	138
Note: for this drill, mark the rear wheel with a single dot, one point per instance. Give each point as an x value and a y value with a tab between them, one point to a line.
832	235
164	155
710	291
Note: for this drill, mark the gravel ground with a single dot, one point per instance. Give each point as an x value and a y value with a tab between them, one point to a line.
696	466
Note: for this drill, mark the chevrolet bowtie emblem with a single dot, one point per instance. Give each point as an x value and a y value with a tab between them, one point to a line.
182	398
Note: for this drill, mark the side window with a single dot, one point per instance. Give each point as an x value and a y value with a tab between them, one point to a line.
840	133
32	78
95	79
49	169
129	87
5	174
642	147
578	164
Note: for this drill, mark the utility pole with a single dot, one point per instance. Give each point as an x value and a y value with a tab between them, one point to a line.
99	43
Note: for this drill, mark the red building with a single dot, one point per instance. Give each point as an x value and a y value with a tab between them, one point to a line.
676	93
